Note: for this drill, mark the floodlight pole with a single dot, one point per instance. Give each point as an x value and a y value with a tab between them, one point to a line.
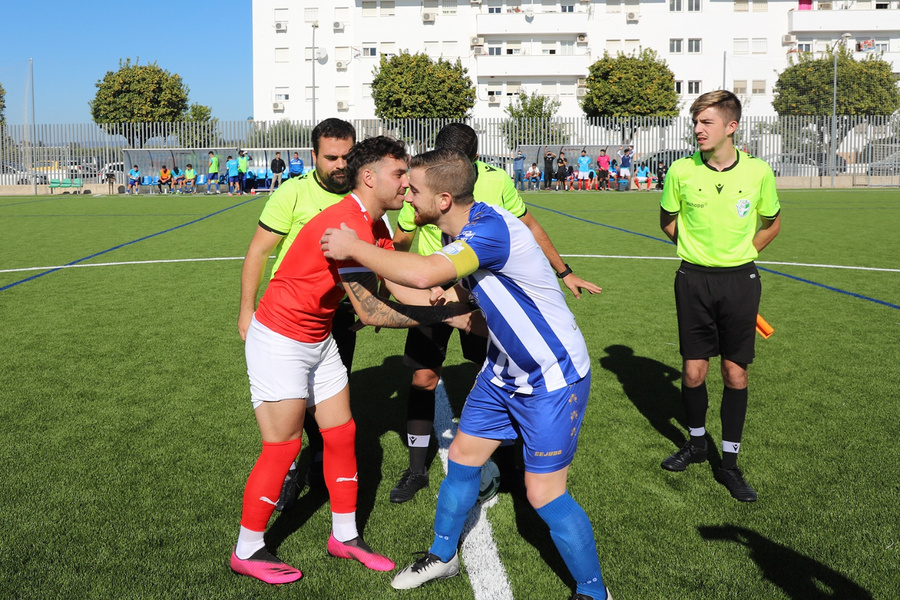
832	159
33	131
315	25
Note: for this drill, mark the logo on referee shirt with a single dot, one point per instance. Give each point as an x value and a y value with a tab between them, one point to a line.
743	208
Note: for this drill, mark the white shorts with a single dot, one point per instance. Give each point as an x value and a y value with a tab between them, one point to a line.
582	175
280	368
641	179
624	172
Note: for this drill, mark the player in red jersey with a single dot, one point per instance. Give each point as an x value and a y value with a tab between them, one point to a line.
294	366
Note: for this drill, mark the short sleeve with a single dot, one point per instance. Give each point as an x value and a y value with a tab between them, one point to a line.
769	206
671	196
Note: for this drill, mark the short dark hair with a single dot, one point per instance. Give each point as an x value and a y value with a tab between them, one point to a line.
371	150
447	170
332	128
459	137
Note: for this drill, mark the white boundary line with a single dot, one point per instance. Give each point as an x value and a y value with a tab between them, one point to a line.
182	260
479	551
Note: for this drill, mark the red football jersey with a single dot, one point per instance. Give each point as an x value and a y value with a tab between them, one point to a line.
305	291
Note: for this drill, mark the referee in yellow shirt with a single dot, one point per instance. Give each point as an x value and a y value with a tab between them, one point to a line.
709	208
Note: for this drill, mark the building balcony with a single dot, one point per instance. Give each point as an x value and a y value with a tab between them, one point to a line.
839	21
533	65
513	24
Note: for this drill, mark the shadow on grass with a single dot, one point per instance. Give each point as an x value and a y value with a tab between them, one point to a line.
651	387
799	576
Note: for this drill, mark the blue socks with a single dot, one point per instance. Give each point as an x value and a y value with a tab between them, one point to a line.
457	496
573	535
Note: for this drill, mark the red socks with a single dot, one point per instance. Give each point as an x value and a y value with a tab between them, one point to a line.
265	481
339	466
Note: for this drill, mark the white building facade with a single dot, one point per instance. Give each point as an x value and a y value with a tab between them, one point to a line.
313	60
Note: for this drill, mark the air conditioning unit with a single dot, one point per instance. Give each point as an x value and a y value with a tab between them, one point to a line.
582	81
632	16
428	17
788	38
494	99
342	105
337	26
278	106
582	38
340	65
280	25
581	92
477	41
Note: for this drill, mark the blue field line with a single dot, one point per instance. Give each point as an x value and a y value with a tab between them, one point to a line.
146	237
666	241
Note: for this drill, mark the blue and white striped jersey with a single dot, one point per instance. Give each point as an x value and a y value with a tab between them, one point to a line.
534	342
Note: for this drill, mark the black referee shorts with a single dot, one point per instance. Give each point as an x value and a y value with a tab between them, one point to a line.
717	309
426	346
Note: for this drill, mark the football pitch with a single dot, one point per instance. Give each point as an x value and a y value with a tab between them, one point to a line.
128	434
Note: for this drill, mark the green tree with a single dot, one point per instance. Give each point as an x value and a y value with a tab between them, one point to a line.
2	105
413	86
282	134
636	85
139	94
200	129
531	122
864	87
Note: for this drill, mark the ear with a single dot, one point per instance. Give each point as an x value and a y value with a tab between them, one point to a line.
445	202
368	177
731	127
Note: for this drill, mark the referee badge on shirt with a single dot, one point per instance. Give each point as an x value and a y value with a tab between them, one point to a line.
743	208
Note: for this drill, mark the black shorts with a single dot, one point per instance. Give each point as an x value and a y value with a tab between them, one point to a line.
426	346
717	309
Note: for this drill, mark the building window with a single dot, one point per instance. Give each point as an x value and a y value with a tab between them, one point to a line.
613	6
514	47
367	90
741	46
494	10
675	6
282	55
760	5
675	46
760	45
693	5
548	88
632	46
282	94
881	45
494	89
388	8
694	46
389	48
678	86
693	87
567	48
759	87
548	47
450	50
448	7
567	89
310	15
495	50
342	54
513	88
804	47
342	14
567	7
433	49
281	14
740	87
369	8
741	5
369	49
309	92
613	46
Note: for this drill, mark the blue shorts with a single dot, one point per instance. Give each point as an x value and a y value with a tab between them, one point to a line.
234	179
549	422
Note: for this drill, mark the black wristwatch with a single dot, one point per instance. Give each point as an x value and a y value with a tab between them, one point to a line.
568	271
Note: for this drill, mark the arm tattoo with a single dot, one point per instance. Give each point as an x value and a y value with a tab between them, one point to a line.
380	312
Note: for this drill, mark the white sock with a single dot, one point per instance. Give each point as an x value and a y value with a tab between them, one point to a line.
249	542
343	526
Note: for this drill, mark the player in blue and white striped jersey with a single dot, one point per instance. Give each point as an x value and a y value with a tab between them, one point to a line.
535	382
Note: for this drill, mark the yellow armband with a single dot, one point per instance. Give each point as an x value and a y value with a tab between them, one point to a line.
464	259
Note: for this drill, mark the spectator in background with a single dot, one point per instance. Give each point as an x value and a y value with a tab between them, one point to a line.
643	175
243	166
625	165
534	177
591	180
519	171
584	167
234	176
562	172
549	168
603	171
213	172
177	179
296	166
660	175
134	181
277	168
190	178
614	175
165	179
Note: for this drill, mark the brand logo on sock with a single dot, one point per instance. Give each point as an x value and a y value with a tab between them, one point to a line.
354	478
735	446
412	439
267	501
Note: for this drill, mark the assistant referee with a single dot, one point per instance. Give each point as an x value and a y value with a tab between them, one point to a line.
709	208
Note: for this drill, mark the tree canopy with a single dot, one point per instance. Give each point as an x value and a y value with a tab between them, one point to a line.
864	87
636	85
140	94
2	105
531	122
413	86
282	134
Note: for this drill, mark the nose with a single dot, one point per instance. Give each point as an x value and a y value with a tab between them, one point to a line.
404	180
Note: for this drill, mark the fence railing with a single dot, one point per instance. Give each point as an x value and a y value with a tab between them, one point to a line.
865	147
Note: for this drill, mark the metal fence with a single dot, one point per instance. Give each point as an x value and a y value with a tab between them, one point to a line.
864	150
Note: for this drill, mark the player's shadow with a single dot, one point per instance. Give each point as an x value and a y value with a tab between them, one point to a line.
651	387
376	412
799	576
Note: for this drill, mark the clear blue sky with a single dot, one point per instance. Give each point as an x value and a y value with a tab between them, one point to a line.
74	44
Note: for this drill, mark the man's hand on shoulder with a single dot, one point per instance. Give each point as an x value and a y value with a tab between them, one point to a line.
337	243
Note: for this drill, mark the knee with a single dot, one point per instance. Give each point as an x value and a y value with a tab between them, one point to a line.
425	379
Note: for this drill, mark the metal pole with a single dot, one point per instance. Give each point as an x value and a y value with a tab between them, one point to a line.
831	162
33	132
724	58
315	25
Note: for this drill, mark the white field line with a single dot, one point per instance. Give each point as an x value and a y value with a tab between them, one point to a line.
182	260
479	552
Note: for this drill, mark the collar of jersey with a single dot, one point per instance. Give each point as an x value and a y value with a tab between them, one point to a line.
362	208
737	159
